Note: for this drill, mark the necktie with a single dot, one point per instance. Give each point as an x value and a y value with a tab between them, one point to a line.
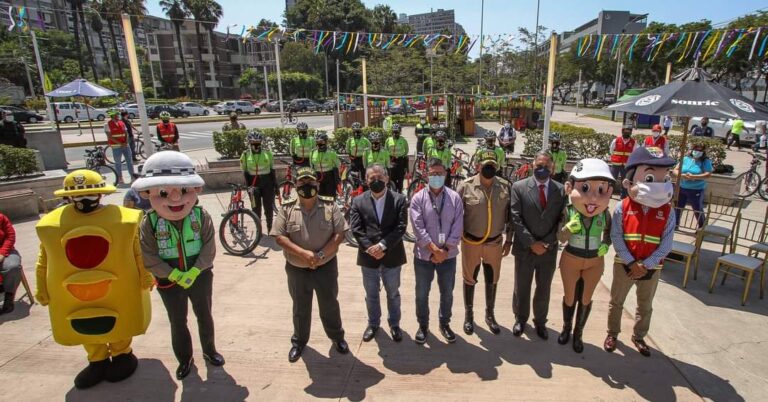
542	197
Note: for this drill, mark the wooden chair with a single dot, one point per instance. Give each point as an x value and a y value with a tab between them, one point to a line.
722	217
686	251
27	290
748	232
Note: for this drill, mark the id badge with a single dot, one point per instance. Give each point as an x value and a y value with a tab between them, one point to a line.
441	238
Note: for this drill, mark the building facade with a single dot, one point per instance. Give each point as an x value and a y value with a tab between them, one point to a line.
432	22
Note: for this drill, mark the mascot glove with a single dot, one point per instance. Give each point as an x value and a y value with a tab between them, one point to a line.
42	297
574	225
175	275
602	250
188	278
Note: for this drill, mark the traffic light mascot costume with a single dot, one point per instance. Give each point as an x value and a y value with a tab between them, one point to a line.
91	276
587	231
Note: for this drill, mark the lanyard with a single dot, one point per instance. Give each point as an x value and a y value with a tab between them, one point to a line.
439	212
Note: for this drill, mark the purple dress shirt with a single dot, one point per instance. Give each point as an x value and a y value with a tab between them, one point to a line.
427	225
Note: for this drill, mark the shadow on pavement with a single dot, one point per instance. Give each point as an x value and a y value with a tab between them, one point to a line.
338	376
219	386
150	382
20	310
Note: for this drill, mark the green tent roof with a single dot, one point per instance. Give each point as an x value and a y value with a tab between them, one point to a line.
630	93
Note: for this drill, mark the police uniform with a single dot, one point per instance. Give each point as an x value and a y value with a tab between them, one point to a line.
398	152
229	126
356	148
486	221
312	230
326	167
258	171
301	149
422	132
559	157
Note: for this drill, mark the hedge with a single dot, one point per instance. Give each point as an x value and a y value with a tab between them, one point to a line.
16	162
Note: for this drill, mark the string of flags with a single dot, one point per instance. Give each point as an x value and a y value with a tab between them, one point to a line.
376	101
706	45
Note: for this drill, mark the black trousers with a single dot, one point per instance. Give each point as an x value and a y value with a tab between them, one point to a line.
303	283
420	141
397	172
175	300
528	267
357	166
299	162
263	195
327	182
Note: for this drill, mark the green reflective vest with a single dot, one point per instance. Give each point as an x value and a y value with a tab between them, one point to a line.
372	157
429	143
169	242
324	161
588	239
396	147
387	125
559	158
444	155
301	147
256	163
357	146
423	130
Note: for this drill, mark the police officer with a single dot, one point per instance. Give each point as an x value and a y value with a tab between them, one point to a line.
490	145
233	124
258	170
356	147
486	222
559	156
397	147
377	154
441	151
423	131
167	132
325	163
301	147
429	142
310	229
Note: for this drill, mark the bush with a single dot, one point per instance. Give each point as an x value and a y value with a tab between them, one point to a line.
36	103
106	102
229	144
16	161
410	120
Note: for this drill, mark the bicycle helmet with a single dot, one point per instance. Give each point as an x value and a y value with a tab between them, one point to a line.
301	126
554	137
357	126
396	128
375	137
321	136
112	112
165	116
440	138
255	136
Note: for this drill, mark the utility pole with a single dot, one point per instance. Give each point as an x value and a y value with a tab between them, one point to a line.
536	48
279	82
266	83
130	48
578	93
480	60
550	89
327	85
48	108
365	93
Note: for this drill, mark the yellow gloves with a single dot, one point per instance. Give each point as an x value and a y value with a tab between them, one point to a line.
185	279
574	224
602	250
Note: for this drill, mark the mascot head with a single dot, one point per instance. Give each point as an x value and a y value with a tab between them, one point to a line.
647	177
171	184
590	186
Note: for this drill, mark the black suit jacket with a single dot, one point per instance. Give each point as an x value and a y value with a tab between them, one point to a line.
366	228
531	223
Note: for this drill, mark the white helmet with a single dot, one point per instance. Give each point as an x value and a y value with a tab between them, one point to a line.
592	169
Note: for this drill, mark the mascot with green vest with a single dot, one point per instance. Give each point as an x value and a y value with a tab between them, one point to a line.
587	232
643	228
178	246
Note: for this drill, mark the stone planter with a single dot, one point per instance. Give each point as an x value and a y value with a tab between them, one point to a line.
222	163
43	186
48	142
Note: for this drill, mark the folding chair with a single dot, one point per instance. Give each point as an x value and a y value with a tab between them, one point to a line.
685	250
726	211
748	232
27	290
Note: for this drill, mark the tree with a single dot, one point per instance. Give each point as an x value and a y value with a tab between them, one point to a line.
297	56
84	26
298	85
249	78
199	9
176	12
107	9
97	25
76	31
383	19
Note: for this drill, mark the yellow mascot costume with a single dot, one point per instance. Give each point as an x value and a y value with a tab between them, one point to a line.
91	276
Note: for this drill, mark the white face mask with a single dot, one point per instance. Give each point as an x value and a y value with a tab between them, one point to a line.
656	134
654	195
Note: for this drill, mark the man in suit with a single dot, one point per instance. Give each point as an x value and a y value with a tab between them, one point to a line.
378	219
537	205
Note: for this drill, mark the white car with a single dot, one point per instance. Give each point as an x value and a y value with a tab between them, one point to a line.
194	109
72	111
132	109
237	106
721	128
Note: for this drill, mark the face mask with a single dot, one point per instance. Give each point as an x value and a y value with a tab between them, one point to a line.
541	173
255	148
377	186
86	204
654	195
375	147
307	190
440	145
322	148
436	181
423	122
357	134
506	126
490	144
555	147
656	134
396	134
697	154
302	134
626	135
488	171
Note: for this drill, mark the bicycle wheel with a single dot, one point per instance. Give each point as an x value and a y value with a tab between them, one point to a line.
240	231
749	182
348	236
140	152
763	189
415	187
107	172
107	157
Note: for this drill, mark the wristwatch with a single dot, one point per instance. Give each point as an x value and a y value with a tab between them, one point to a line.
321	254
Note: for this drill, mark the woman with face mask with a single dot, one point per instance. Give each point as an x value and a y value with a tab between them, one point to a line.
258	168
657	140
693	171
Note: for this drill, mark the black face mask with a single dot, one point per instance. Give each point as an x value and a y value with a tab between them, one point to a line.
302	134
488	171
307	190
555	147
541	173
490	144
256	148
322	148
357	134
85	205
375	147
396	134
626	135
440	145
377	186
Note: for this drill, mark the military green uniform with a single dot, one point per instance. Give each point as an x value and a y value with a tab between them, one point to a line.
326	166
356	148
300	149
259	173
398	152
229	126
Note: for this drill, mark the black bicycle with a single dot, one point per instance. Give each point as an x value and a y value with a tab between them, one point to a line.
95	160
240	228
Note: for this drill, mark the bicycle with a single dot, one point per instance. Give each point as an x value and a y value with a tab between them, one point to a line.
751	181
104	154
94	160
518	171
240	228
289	119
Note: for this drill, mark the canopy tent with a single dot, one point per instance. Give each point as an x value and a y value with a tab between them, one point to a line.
83	88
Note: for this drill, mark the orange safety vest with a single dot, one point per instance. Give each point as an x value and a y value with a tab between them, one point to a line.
660	142
167	131
117	132
643	231
621	151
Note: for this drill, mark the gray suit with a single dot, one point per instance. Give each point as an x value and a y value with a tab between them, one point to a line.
533	224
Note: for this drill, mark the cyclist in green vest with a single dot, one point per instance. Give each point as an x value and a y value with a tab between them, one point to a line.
387	124
559	156
377	154
423	131
258	168
734	134
356	146
301	147
443	152
398	154
490	145
325	162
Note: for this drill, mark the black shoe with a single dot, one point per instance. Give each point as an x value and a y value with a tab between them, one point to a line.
542	332
8	303
490	320
396	333
469	316
122	367
421	335
184	369
295	353
490	303
91	375
447	333
370	333
342	347
565	334
214	358
518	328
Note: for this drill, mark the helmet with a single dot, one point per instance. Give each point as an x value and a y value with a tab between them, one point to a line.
165	116
233	114
375	137
255	136
84	182
321	136
554	137
396	128
112	112
490	135
355	126
656	127
301	126
440	136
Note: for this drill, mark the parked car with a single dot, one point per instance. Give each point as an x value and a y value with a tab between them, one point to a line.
260	103
237	106
155	110
304	105
131	108
275	107
194	109
721	128
402	109
328	106
22	115
71	111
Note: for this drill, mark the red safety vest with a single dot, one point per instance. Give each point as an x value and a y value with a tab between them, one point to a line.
167	132
118	132
660	142
643	231
621	151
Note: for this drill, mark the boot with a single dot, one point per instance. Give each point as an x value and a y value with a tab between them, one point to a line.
582	314
8	303
92	374
490	302
122	367
469	297
565	334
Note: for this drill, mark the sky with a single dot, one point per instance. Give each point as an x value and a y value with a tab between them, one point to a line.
505	16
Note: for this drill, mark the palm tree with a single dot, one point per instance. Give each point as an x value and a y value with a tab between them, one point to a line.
176	12
87	38
76	32
111	10
200	10
97	25
384	18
